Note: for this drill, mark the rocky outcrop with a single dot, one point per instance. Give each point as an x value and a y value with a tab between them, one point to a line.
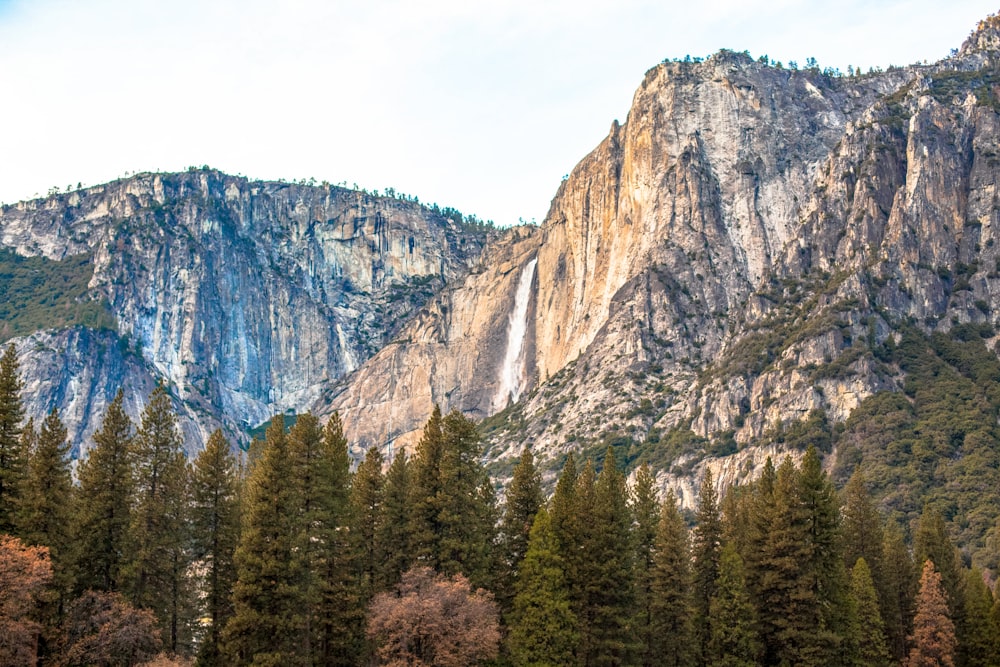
723	263
246	297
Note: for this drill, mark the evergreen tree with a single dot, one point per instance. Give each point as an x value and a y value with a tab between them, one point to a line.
367	517
607	580
671	629
933	640
104	503
215	522
865	637
395	534
524	499
861	527
340	611
426	494
732	620
705	548
976	644
159	531
825	567
792	625
45	514
900	583
565	516
931	541
12	458
269	597
467	506
543	628
646	516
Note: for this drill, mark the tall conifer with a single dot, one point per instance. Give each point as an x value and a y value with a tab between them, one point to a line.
543	628
269	597
104	503
705	547
864	636
732	620
672	630
524	499
12	458
159	531
646	516
367	517
395	535
215	521
932	643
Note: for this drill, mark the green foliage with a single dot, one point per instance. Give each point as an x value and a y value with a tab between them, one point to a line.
672	632
367	515
646	515
732	617
395	534
269	597
543	627
104	503
39	293
159	535
215	526
706	546
937	443
12	454
864	632
524	499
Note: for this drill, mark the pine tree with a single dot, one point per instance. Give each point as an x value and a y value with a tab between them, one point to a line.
524	499
976	643
395	534
646	516
826	562
900	583
340	612
269	597
44	515
933	640
732	620
792	626
864	636
705	548
543	628
215	522
159	530
12	458
104	503
931	541
467	506
426	494
367	517
671	629
861	527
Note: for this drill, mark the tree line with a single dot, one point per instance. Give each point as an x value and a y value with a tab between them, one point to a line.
285	556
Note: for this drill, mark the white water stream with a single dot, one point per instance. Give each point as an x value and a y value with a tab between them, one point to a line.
512	371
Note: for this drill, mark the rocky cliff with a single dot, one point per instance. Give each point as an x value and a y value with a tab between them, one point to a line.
246	297
720	267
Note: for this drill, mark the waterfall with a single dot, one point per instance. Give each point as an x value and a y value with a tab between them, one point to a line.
512	371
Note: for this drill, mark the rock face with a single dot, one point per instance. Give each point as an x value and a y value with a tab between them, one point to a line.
247	298
722	263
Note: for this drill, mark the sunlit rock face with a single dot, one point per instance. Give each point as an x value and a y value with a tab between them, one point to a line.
722	262
246	298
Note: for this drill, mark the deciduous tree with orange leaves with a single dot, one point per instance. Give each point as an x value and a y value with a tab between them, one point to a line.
24	573
433	620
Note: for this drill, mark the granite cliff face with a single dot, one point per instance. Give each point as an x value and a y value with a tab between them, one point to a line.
245	297
722	264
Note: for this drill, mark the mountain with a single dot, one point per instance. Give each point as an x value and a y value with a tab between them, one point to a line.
245	297
757	259
751	258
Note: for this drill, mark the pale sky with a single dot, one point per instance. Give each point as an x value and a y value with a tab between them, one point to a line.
480	106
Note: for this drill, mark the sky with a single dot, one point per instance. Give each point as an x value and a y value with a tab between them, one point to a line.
482	106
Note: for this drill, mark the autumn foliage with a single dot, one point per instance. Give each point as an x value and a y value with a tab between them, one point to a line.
104	629
24	573
433	620
933	639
